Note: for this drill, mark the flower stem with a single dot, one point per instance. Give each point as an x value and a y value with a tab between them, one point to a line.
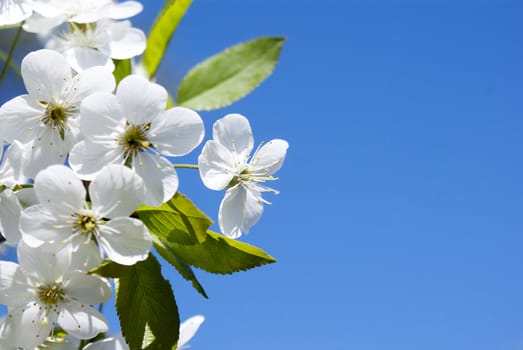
10	53
185	166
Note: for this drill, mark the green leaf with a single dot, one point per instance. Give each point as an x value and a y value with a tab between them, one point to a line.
228	76
109	269
122	68
145	299
161	32
219	254
177	220
184	269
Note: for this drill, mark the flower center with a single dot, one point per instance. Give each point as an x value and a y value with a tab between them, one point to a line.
85	223
55	117
134	139
51	293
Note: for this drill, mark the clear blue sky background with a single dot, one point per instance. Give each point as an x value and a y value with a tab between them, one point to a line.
399	221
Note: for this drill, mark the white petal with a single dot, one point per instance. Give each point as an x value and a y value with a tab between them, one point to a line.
15	11
86	289
188	329
234	132
116	191
91	80
42	25
48	149
82	58
100	114
40	225
217	166
125	9
130	44
176	131
60	190
87	254
269	157
28	326
239	210
125	240
12	165
141	100
20	119
88	159
113	343
46	265
10	210
50	8
14	289
159	176
45	73
81	321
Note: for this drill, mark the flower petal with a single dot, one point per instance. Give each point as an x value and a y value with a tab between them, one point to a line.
45	264
20	119
159	176
141	100
87	289
88	159
113	343
81	321
42	25
14	289
89	81
234	132
82	58
127	43
60	190
12	164
28	326
125	240
40	225
269	158
124	9
176	131
48	149
116	191
188	329
10	210
15	11
217	166
239	210
45	73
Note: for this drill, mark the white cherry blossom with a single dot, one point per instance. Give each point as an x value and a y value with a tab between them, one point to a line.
43	291
225	163
45	118
133	128
51	13
65	217
14	11
96	44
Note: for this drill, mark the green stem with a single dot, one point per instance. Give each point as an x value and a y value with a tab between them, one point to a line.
185	166
10	53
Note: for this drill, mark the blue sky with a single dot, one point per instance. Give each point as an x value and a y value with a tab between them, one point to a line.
398	225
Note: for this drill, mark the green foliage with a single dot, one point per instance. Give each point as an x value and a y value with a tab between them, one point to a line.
219	254
182	268
145	303
228	76
161	32
122	68
109	269
178	220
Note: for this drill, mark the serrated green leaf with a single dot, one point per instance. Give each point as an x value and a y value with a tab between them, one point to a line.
122	68
109	269
182	268
161	32
219	254
228	76
177	220
145	299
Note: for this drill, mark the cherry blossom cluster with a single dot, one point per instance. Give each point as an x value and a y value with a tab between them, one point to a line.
81	154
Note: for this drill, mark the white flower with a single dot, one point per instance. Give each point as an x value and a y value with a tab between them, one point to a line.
52	13
43	291
10	176
95	44
64	215
133	128
14	11
45	119
187	330
224	164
